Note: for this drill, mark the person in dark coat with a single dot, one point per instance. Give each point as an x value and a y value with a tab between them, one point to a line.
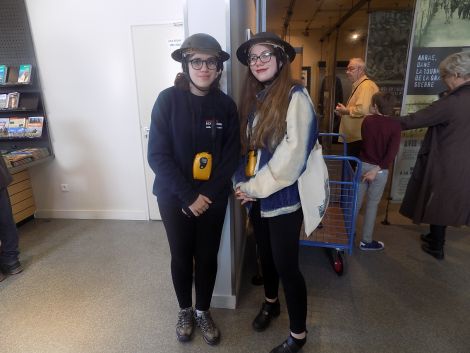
9	263
194	148
438	192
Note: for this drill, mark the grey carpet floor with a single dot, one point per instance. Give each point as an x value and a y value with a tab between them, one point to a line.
99	286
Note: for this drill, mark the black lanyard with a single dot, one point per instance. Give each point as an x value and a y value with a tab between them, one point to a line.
251	120
352	94
194	124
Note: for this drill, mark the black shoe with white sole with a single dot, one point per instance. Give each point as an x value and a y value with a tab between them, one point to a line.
267	312
288	346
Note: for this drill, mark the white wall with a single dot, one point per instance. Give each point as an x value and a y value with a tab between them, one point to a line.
84	54
85	57
211	17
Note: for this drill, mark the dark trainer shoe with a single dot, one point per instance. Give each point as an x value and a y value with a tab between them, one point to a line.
374	245
11	269
288	346
437	253
268	311
210	332
185	325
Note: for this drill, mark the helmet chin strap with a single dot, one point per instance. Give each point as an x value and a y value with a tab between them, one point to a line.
280	64
202	89
198	87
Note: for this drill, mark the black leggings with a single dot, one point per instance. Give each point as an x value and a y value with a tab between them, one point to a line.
193	239
277	239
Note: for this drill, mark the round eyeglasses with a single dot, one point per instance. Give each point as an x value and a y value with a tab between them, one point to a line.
197	64
264	57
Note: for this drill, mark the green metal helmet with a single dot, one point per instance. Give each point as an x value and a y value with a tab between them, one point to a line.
268	38
202	42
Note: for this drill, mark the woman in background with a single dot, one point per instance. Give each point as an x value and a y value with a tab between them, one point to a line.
438	192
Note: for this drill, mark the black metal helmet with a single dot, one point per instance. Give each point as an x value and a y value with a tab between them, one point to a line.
265	38
202	42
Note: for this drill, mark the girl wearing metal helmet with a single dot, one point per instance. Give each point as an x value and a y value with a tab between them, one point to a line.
194	149
278	133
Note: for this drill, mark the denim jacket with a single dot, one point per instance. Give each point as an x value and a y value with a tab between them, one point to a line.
275	183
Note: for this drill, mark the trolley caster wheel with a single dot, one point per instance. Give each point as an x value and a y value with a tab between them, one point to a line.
336	260
338	264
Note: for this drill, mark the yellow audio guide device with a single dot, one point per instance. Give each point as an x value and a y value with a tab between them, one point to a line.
250	163
202	166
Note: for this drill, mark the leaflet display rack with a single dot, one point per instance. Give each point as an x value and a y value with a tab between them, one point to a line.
17	57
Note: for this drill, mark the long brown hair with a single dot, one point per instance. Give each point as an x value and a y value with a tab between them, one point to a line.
272	110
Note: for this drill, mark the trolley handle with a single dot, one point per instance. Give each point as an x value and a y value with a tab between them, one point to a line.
357	173
333	134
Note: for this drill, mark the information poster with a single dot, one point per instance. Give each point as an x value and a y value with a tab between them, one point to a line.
440	28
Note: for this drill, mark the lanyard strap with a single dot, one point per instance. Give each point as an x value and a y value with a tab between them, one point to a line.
352	94
193	121
251	119
194	124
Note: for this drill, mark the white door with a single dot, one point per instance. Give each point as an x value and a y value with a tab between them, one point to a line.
155	70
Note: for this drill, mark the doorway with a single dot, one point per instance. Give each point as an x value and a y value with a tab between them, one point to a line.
155	71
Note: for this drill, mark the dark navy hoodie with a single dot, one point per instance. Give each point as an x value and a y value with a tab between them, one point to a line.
181	126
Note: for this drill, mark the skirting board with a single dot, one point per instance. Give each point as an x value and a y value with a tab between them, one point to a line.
93	214
224	301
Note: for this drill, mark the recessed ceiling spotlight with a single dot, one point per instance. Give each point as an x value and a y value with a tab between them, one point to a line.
355	36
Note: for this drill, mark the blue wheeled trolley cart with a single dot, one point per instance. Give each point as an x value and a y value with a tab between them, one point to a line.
337	229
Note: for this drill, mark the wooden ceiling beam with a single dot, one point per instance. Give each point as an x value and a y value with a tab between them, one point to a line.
289	13
315	12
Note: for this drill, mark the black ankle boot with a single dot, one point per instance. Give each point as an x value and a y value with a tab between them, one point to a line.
268	311
426	238
288	346
438	253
